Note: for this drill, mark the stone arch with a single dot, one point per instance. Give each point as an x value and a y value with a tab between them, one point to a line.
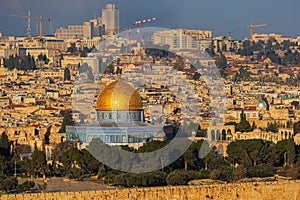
218	135
229	132
62	139
285	135
48	153
213	135
221	149
224	135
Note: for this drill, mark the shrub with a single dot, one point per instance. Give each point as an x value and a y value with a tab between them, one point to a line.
260	171
26	186
156	178
8	184
182	177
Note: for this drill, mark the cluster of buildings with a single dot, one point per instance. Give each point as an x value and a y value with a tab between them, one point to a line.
108	24
184	39
151	94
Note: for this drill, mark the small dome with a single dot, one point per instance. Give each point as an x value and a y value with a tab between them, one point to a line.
267	115
257	130
119	95
261	104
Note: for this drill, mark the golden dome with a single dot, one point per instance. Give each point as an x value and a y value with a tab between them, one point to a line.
119	95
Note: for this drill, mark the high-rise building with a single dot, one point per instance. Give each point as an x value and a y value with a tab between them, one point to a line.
111	19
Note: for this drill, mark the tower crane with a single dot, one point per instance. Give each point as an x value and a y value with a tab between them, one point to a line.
128	37
41	19
138	26
251	26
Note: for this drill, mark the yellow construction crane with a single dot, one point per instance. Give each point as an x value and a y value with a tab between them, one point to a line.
41	19
251	26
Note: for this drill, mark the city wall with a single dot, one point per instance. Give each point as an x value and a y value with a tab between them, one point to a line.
243	191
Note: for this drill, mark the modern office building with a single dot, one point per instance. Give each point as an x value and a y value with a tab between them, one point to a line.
184	39
111	19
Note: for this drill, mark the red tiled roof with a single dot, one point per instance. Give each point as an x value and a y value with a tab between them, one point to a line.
16	106
250	108
50	108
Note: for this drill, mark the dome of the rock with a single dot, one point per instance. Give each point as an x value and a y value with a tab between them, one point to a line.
119	95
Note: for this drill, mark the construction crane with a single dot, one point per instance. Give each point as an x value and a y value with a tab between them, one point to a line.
128	37
251	26
138	26
41	19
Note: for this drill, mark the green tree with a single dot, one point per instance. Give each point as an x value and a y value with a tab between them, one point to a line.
71	163
267	102
272	128
182	177
89	162
295	103
67	121
21	63
296	127
26	186
4	146
190	156
244	125
260	171
90	74
285	153
8	183
38	163
72	48
84	52
60	148
179	64
67	74
221	61
239	172
251	152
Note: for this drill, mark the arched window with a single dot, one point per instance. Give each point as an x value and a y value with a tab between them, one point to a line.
218	135
213	135
221	150
229	132
223	134
285	135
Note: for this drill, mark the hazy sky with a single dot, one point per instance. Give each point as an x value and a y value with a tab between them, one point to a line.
220	16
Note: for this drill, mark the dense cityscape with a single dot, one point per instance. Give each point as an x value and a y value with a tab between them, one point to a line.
71	101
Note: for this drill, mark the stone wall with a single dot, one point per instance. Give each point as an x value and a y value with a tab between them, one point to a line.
244	191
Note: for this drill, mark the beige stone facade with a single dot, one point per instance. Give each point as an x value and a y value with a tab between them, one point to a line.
276	190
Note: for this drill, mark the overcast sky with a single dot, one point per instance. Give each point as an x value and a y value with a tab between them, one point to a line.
220	16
